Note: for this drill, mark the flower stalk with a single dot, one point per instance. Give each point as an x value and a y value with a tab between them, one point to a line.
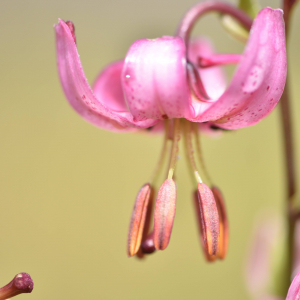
290	161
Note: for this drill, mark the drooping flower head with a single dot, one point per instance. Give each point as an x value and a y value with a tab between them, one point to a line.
175	84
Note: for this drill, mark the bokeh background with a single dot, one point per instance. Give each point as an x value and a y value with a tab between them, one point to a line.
67	188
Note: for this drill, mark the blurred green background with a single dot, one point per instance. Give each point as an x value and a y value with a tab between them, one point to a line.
68	188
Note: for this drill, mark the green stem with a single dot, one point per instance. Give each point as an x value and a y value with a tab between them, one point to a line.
290	163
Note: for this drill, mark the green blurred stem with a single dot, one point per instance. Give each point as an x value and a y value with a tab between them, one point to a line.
290	163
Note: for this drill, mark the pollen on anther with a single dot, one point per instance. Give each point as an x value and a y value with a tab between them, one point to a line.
138	219
209	218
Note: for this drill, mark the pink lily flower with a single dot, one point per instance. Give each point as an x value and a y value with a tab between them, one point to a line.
294	290
268	239
175	84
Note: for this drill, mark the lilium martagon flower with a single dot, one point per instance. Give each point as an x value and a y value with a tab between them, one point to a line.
174	85
21	283
266	272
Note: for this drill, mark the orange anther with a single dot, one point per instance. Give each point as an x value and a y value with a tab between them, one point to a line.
223	245
209	219
137	221
164	214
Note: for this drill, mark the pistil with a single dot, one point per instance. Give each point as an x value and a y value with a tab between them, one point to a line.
218	60
184	31
21	283
190	18
175	148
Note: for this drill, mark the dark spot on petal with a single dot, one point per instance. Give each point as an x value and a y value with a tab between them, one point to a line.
165	117
268	87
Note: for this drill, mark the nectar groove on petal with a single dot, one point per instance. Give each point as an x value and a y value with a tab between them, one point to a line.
164	214
21	283
223	242
137	221
209	218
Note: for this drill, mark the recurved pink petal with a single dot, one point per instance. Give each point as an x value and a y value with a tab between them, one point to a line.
78	91
267	235
154	79
259	79
212	78
164	214
108	86
294	290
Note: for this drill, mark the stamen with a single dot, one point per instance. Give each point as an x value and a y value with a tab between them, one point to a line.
22	283
198	10
196	85
137	221
165	206
209	218
218	59
199	153
223	245
187	133
209	258
164	213
190	18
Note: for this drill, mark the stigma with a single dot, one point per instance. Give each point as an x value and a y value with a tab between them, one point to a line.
152	221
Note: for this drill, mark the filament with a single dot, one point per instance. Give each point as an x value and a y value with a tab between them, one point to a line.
187	133
174	150
199	153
